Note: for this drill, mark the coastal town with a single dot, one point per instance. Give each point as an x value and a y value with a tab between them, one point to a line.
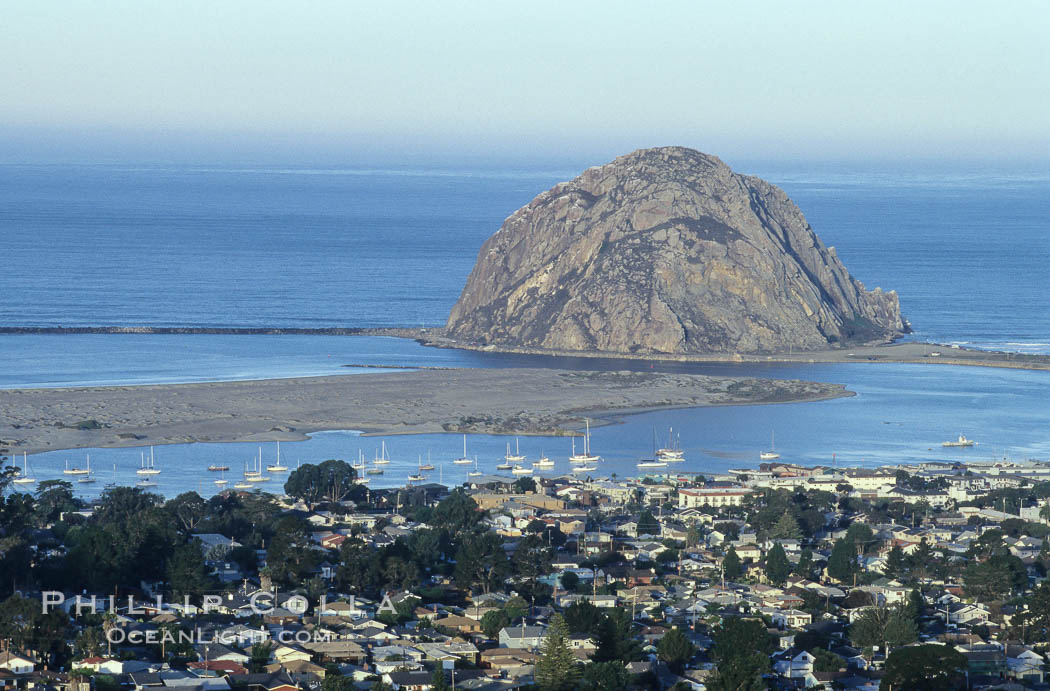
776	576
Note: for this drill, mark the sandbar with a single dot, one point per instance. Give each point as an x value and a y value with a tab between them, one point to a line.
491	401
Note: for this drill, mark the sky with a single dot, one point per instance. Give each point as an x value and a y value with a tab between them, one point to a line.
345	82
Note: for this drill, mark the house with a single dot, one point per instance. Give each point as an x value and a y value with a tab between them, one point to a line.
17	663
792	618
1024	664
525	637
796	664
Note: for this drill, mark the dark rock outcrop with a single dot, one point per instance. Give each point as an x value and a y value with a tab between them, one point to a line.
665	250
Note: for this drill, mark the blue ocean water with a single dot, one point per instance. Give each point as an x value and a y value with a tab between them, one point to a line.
292	247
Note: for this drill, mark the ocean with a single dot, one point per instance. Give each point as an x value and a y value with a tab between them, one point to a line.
206	246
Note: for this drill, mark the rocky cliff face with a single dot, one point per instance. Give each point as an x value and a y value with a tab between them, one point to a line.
665	250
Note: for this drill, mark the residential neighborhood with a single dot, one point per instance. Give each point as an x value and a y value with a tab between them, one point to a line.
780	576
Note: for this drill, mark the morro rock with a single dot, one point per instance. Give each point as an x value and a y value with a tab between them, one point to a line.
665	250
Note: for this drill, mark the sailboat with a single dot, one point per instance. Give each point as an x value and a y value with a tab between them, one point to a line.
419	476
381	459
515	457
277	467
243	484
87	479
771	454
221	482
74	470
428	465
147	468
672	453
586	456
376	462
521	470
543	462
463	460
24	478
256	473
475	472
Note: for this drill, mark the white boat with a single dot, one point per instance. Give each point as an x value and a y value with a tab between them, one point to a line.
651	464
417	478
24	478
74	470
515	457
463	460
585	469
428	465
381	459
147	468
222	481
87	479
363	480
243	485
961	441
475	472
672	453
360	465
255	474
521	470
146	482
586	456
504	466
543	462
277	467
770	455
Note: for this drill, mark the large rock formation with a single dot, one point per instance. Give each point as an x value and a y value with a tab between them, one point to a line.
665	250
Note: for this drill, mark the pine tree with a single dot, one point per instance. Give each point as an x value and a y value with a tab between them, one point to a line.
437	680
786	528
731	567
556	667
676	650
895	565
778	568
842	563
805	563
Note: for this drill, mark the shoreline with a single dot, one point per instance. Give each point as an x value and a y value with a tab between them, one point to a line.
897	352
904	353
520	401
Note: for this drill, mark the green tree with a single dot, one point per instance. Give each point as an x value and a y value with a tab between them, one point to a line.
615	640
895	563
291	552
570	581
605	676
675	649
259	657
647	523
804	567
523	485
556	666
778	568
438	681
731	566
582	617
889	626
741	655
331	481
53	497
188	510
337	682
495	621
786	528
187	573
456	513
826	661
842	564
928	667
481	560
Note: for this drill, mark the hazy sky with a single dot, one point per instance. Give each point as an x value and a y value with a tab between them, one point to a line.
338	81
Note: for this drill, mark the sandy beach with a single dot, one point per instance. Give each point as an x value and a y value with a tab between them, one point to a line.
508	401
